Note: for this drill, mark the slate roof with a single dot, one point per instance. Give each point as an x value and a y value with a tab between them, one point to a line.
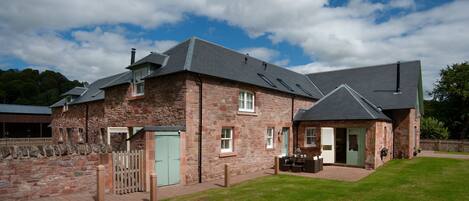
342	103
93	91
77	91
155	58
24	109
199	56
378	83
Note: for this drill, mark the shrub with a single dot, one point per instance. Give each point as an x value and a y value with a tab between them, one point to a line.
431	128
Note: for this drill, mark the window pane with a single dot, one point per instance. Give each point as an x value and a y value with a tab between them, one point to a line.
353	143
309	140
241	100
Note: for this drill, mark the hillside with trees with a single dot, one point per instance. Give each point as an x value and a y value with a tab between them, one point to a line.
32	87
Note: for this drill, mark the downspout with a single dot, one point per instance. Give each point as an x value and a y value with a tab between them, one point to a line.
292	122
86	124
199	83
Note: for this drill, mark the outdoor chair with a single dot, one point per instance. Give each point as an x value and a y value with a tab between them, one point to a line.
309	165
285	164
321	163
317	164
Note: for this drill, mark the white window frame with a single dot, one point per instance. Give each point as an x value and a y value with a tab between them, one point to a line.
243	99
313	136
118	130
136	81
269	137
65	107
230	140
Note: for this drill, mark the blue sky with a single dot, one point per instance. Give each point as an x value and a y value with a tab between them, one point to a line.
85	41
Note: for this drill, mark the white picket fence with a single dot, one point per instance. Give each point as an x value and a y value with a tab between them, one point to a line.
127	171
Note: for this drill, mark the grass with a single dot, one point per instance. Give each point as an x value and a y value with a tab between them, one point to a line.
452	152
417	179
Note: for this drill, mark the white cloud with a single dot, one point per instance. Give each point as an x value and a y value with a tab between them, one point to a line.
333	37
89	56
261	53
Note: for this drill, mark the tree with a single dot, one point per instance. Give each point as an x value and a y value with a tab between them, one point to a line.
451	99
431	128
32	87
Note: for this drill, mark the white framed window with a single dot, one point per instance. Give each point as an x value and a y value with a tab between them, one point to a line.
310	137
138	81
65	107
246	101
226	140
270	138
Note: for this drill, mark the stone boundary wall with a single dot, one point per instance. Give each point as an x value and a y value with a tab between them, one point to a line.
31	172
445	145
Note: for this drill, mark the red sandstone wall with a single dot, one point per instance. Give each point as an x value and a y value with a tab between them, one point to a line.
75	118
406	126
34	178
220	109
383	139
162	104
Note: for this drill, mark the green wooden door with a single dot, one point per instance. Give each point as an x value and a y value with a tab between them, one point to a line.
285	141
167	158
356	146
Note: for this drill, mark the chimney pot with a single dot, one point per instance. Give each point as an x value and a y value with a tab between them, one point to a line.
132	56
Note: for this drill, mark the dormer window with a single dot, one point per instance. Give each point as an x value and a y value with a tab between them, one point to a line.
138	81
68	100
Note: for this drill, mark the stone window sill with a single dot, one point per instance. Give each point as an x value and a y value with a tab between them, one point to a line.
247	113
137	97
229	154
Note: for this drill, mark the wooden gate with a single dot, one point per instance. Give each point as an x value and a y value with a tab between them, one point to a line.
127	171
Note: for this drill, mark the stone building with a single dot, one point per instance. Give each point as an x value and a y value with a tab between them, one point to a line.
199	106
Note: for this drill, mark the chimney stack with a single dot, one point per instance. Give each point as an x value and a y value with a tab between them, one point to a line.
398	77
132	56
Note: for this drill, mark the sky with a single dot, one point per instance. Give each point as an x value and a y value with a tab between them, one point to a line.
88	39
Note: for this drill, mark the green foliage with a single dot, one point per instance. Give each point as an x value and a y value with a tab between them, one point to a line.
450	102
431	128
31	87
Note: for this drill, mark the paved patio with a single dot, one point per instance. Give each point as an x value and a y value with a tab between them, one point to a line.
163	192
442	155
336	173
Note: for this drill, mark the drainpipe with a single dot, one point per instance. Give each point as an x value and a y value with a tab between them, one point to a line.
292	107
86	124
199	83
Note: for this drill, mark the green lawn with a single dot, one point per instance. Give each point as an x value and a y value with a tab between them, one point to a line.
417	179
452	152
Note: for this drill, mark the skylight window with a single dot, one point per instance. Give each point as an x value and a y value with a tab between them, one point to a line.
303	89
266	80
284	84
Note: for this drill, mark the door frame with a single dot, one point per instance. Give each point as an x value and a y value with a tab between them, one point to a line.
287	141
361	142
169	133
118	130
333	142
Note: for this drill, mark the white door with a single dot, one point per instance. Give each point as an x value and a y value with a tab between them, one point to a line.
328	145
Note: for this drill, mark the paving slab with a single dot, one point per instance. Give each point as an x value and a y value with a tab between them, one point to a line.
338	173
